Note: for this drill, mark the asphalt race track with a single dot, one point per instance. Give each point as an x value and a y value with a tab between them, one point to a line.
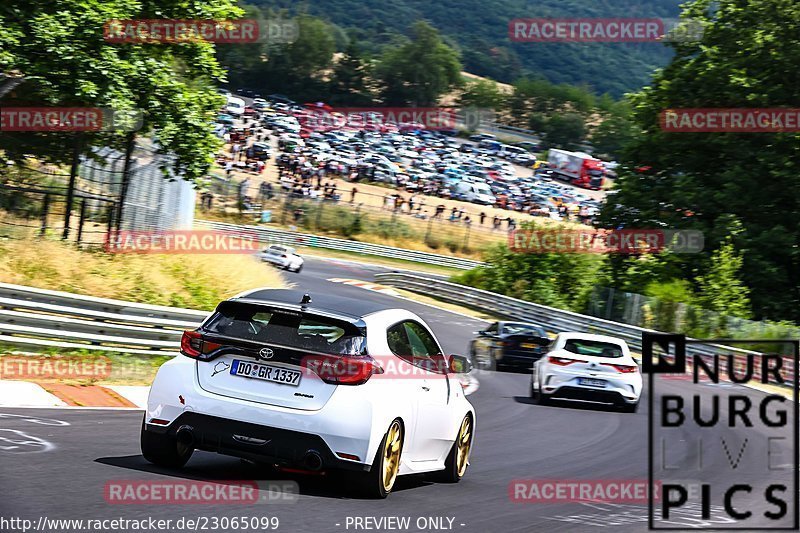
62	472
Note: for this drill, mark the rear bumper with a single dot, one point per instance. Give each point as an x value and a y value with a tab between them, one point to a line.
520	359
344	425
592	395
254	441
283	263
618	389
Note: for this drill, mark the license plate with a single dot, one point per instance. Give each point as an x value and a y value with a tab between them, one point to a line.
529	345
264	372
592	382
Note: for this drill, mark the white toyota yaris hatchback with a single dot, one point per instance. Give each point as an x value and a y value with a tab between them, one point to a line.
333	384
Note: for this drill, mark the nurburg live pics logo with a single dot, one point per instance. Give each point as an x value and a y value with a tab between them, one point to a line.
731	424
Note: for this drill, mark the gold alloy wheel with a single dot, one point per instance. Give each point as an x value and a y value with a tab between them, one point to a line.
391	455
464	442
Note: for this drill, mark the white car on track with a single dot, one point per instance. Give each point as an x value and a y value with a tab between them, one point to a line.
334	384
283	257
584	367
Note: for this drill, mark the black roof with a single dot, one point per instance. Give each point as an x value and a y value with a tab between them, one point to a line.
326	303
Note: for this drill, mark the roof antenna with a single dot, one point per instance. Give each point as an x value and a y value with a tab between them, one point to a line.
306	299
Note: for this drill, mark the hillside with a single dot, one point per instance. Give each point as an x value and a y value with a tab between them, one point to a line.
479	29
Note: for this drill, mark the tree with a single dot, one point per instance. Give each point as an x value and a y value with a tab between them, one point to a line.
612	135
297	68
721	289
746	58
482	94
419	71
66	62
565	130
59	50
350	79
563	280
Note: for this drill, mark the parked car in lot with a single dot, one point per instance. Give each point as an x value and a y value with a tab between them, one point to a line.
283	256
235	106
478	193
528	145
585	367
525	160
509	152
224	118
260	151
509	344
320	383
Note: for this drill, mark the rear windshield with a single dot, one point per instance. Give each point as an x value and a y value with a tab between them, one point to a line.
280	250
523	329
287	328
593	348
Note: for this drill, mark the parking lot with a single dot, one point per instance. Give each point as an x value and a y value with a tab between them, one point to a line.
433	174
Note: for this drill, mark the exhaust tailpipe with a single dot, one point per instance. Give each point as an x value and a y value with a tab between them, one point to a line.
185	436
312	460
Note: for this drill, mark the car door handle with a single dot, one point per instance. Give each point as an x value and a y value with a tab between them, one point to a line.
425	388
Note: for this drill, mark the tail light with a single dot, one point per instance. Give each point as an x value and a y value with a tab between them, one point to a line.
342	370
562	361
624	369
195	346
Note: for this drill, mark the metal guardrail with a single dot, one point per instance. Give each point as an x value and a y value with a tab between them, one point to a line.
551	319
291	238
38	317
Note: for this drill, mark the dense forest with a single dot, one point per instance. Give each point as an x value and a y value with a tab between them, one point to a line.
479	31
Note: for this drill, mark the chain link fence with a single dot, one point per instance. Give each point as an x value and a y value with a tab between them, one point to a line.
653	313
34	198
346	215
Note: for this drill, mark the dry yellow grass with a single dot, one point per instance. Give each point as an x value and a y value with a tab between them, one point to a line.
192	281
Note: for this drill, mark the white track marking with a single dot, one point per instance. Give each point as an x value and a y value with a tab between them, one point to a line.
26	394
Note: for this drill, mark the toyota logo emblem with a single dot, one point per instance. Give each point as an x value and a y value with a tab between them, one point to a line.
265	353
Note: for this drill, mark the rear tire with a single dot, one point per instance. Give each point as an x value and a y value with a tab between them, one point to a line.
455	466
379	481
163	450
484	361
539	398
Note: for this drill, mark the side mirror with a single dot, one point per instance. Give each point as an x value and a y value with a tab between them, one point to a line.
458	364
